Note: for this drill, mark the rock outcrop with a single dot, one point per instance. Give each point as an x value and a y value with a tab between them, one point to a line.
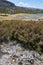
14	54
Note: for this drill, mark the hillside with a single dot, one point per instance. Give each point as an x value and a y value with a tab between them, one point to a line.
8	7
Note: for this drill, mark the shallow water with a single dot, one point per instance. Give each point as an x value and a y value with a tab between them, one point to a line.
33	16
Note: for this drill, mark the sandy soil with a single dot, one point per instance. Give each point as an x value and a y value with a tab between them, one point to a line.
17	17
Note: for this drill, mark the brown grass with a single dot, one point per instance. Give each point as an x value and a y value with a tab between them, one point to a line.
28	33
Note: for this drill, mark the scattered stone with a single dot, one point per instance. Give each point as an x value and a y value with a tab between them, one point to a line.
16	55
20	63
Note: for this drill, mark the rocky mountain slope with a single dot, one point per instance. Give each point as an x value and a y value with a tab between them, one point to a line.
6	6
5	3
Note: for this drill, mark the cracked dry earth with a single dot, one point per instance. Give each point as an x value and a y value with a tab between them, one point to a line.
13	54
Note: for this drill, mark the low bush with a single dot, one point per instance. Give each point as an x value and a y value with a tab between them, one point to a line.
28	33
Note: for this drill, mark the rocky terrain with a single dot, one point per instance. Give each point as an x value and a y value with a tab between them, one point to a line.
13	54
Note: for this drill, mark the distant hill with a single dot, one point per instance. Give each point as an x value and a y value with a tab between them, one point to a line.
9	7
6	6
5	3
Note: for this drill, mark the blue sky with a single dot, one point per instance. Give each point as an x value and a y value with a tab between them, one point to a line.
29	3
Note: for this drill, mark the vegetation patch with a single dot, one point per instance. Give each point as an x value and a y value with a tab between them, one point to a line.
28	33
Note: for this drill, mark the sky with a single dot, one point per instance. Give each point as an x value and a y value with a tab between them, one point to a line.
28	3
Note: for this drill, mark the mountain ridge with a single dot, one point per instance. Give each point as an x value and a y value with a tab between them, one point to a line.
6	3
9	7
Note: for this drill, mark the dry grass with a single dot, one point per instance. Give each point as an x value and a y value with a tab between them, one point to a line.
28	33
20	16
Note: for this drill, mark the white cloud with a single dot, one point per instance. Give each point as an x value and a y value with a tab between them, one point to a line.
22	4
